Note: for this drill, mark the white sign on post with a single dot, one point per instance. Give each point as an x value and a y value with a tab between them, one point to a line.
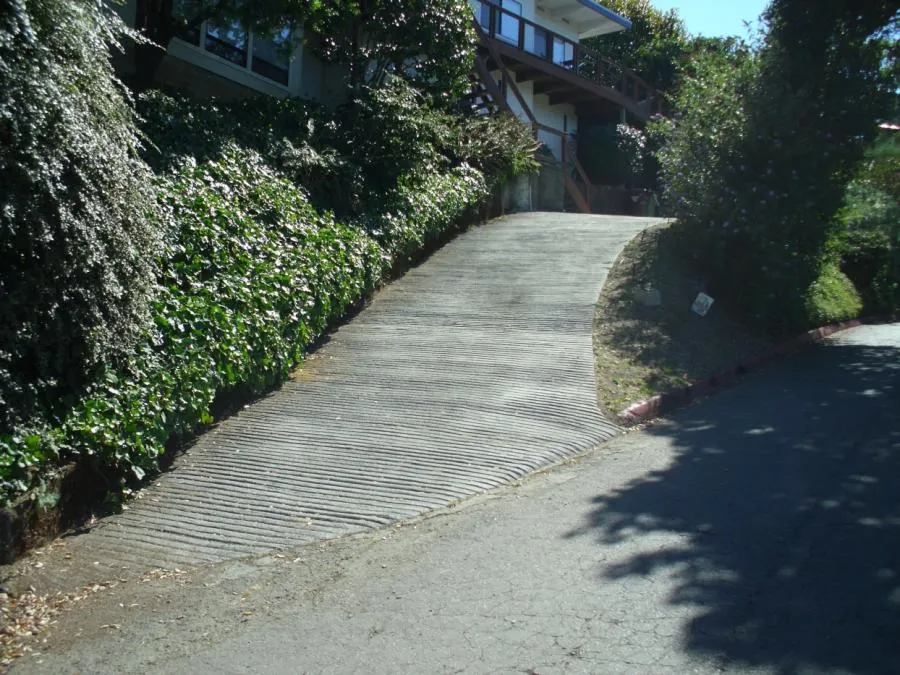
701	305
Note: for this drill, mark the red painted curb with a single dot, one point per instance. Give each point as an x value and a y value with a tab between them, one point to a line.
649	409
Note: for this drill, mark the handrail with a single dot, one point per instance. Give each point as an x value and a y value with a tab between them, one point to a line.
543	43
581	201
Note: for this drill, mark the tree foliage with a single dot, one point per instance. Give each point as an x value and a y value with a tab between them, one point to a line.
757	161
656	44
429	43
868	237
75	241
253	267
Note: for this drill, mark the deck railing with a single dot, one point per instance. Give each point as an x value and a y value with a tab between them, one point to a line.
557	50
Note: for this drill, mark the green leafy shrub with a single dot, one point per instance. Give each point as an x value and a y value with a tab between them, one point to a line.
293	135
700	164
252	264
616	154
832	297
423	208
350	162
867	243
77	242
389	131
500	147
250	276
868	236
178	126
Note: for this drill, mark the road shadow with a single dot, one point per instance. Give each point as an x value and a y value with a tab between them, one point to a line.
787	493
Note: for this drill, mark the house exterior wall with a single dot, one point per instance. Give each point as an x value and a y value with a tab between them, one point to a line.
203	74
531	12
527	91
236	75
564	28
562	117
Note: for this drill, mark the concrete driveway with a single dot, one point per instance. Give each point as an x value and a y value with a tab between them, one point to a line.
473	370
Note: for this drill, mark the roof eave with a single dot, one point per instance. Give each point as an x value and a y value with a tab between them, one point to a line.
619	21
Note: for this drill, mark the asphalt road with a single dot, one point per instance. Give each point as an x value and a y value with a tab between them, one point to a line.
758	531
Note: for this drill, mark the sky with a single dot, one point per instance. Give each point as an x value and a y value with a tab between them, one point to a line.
715	17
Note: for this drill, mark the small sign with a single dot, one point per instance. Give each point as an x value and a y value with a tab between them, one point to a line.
701	305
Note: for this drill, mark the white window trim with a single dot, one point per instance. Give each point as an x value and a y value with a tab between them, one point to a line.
199	56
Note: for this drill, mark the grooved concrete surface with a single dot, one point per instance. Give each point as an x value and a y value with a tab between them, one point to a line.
474	369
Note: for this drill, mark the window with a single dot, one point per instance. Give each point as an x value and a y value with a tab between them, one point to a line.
536	40
266	55
228	41
270	55
563	53
509	25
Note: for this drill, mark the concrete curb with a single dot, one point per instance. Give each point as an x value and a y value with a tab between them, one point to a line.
669	401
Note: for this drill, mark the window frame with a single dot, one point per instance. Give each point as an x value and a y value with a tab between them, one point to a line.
507	19
199	55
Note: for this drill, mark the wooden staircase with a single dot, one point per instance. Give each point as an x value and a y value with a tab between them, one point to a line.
487	97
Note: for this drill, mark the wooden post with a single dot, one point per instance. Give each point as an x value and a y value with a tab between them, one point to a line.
521	34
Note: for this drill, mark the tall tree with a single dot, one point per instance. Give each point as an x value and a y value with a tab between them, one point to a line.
429	42
757	162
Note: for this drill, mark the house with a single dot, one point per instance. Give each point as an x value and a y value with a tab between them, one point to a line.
227	61
531	62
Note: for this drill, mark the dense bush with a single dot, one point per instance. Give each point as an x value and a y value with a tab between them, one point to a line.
77	240
867	238
423	208
292	135
500	147
252	267
701	165
147	279
832	297
393	132
349	162
616	154
764	143
250	276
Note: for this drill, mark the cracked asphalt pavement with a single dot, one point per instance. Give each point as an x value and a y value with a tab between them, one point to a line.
755	532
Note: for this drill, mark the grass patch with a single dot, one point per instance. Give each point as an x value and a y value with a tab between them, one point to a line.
643	350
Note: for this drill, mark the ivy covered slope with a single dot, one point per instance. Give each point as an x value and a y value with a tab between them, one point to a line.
244	229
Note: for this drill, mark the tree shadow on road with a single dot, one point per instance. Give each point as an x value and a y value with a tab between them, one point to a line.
787	490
